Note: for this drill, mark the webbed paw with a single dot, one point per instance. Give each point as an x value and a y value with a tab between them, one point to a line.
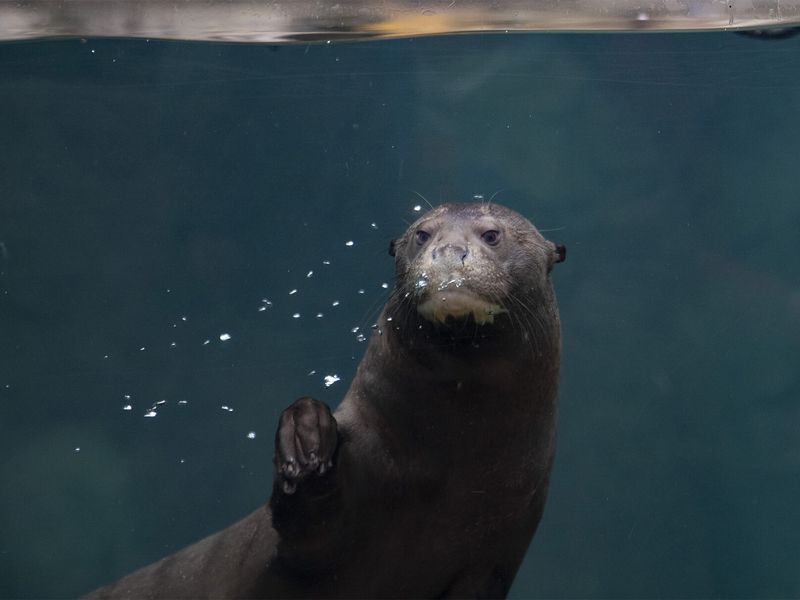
305	443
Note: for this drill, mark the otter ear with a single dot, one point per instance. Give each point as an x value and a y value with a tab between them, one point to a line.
391	248
557	254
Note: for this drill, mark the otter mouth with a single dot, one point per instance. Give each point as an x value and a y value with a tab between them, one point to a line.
451	305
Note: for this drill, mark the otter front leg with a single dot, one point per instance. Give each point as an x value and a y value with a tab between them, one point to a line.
305	494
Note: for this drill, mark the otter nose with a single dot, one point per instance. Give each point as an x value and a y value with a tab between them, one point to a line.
450	253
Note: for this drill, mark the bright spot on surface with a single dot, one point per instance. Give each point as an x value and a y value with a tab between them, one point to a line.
385	286
206	343
294	291
309	274
349	243
296	316
183	318
142	349
326	262
312	372
335	303
354	330
127	407
361	337
150	413
320	315
160	402
224	337
330	380
417	208
173	345
226	407
77	449
127	396
373	225
361	291
251	435
183	402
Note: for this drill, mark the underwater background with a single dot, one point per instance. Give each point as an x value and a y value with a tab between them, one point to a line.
175	269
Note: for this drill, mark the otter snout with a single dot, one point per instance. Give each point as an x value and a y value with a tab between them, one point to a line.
449	255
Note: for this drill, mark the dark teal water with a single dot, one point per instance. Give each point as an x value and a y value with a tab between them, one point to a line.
154	193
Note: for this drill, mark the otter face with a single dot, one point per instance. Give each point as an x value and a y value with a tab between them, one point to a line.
469	260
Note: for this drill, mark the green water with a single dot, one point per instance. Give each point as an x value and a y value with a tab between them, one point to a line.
154	193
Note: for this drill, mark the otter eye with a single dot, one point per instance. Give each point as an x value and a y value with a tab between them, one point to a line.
422	236
491	237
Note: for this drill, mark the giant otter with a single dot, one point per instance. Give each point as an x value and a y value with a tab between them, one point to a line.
431	477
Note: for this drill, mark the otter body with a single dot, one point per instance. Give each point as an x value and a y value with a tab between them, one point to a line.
431	477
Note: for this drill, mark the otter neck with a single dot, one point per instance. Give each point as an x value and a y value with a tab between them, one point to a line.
498	380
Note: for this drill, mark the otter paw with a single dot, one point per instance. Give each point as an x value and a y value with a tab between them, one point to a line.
305	443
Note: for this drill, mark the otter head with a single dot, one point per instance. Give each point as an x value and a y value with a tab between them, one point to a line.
472	261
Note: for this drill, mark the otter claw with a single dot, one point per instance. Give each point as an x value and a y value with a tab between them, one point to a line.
290	468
